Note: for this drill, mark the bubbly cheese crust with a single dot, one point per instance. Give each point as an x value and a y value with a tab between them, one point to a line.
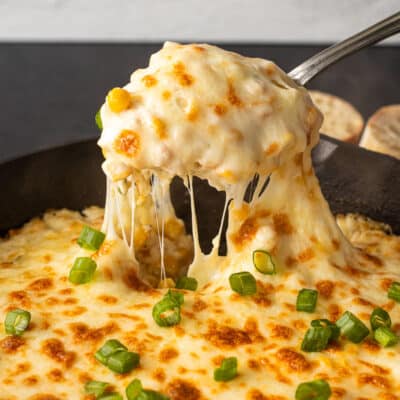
54	358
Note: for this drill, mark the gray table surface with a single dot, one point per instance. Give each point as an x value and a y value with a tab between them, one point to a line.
50	92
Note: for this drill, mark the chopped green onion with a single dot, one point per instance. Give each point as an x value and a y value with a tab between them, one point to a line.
243	283
335	331
227	371
96	388
17	321
167	312
380	317
394	291
385	337
91	239
263	262
110	347
110	396
307	300
135	391
187	283
98	120
175	296
351	327
123	361
316	339
82	271
317	390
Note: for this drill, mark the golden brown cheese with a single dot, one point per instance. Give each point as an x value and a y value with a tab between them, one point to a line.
54	358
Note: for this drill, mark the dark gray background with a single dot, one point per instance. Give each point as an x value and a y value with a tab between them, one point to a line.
49	93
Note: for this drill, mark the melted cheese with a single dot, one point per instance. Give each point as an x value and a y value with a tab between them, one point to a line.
54	358
199	110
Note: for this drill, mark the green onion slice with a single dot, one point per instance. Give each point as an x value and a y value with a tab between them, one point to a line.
385	337
307	300
352	328
316	339
135	391
176	296
123	361
263	262
111	396
91	239
98	120
110	347
187	283
318	390
167	312
82	271
96	388
335	331
227	371
394	291
380	317
17	321
243	283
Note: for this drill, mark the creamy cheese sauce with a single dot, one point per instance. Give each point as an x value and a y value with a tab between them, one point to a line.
200	111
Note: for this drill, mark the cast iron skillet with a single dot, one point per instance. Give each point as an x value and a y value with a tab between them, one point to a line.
352	180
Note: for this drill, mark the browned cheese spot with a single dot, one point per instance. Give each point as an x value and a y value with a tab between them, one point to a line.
82	333
373	380
385	284
134	282
54	349
149	81
127	143
334	311
371	346
159	375
160	128
255	394
78	310
21	298
325	288
41	284
271	149
232	96
166	95
282	224
55	375
246	232
224	336
168	354
179	389
199	305
281	332
220	109
31	380
43	396
192	113
306	255
294	361
372	259
107	299
179	71
262	296
338	393
11	344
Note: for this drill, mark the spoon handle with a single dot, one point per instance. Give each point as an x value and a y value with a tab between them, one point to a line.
317	63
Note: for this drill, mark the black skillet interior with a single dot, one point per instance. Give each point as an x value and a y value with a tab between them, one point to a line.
352	180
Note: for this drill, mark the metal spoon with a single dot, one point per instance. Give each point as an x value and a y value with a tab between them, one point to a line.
314	65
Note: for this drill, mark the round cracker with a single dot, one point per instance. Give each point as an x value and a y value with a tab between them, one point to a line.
382	132
341	120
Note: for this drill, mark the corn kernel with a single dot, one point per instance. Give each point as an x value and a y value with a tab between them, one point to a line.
166	283
119	100
173	228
